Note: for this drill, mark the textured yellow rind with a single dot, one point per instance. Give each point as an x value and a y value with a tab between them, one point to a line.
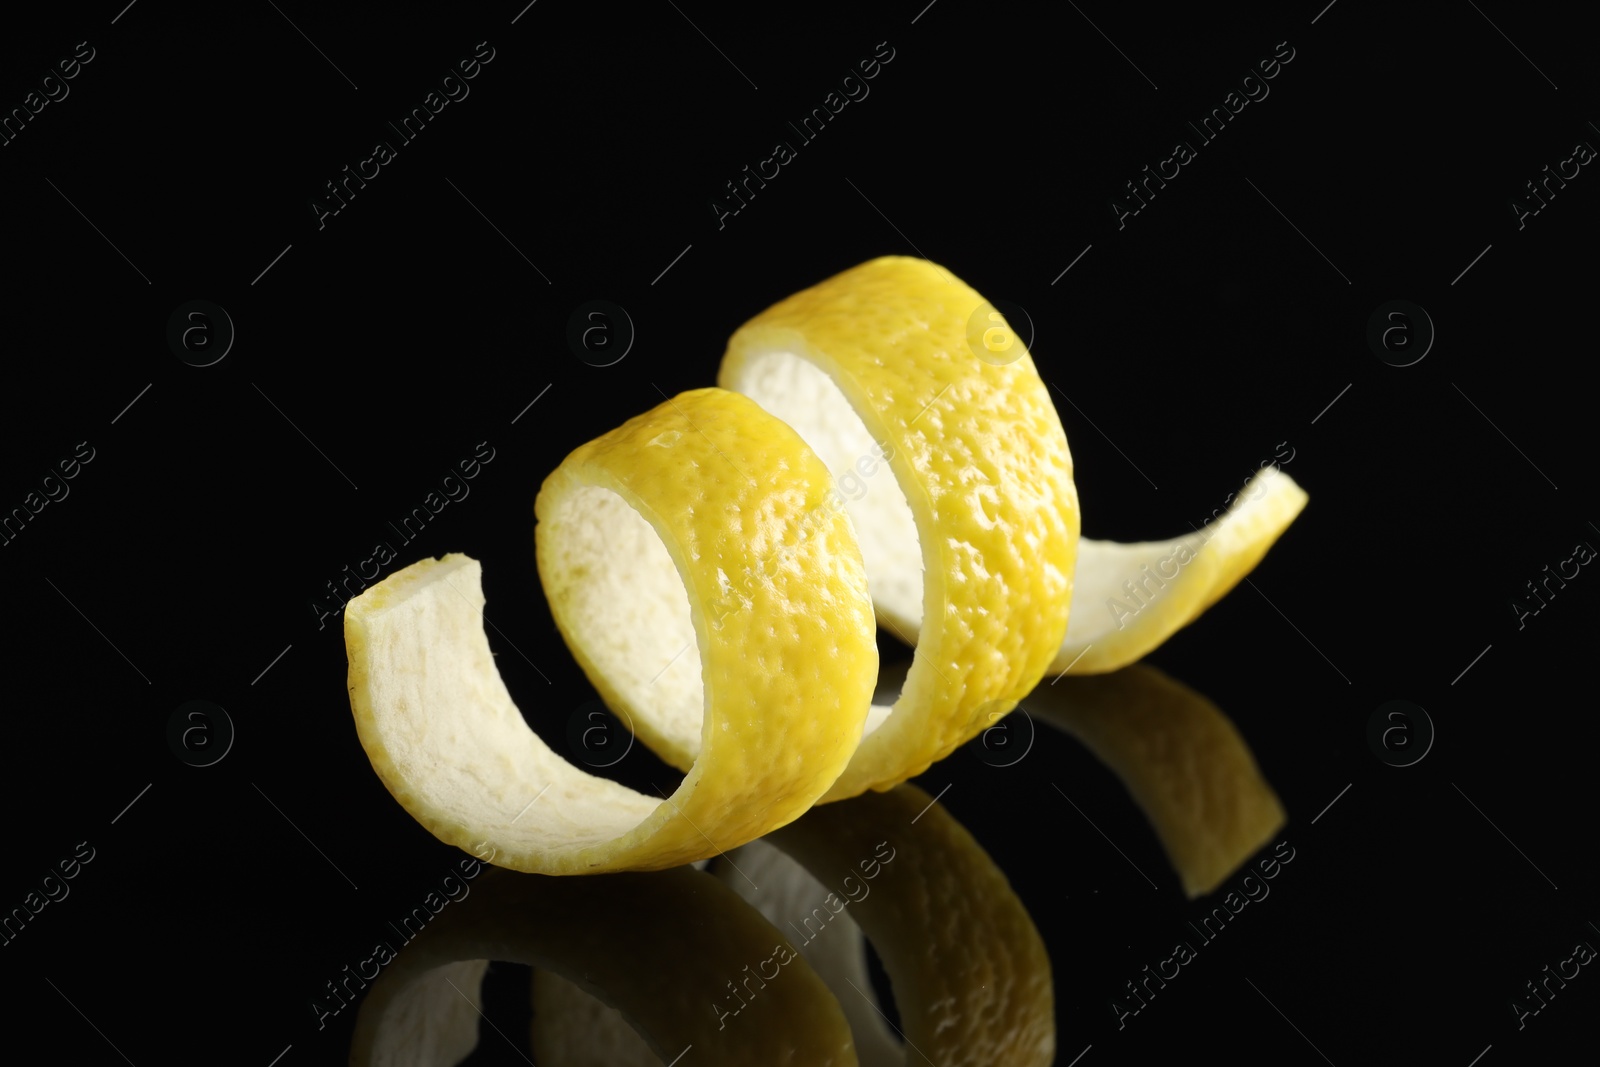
616	937
1181	759
980	454
787	643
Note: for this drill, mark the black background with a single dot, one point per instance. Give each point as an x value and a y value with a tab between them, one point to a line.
414	324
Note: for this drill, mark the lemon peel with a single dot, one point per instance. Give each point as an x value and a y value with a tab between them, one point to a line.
709	525
1128	599
875	364
774	723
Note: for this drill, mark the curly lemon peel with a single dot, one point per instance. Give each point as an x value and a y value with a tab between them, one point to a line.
670	507
711	575
970	543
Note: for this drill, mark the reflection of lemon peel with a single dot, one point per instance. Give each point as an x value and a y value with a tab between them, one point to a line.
1129	598
573	1029
428	1022
1181	759
615	937
970	973
632	552
874	362
786	893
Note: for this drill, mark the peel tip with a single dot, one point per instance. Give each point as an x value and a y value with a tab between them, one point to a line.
400	585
